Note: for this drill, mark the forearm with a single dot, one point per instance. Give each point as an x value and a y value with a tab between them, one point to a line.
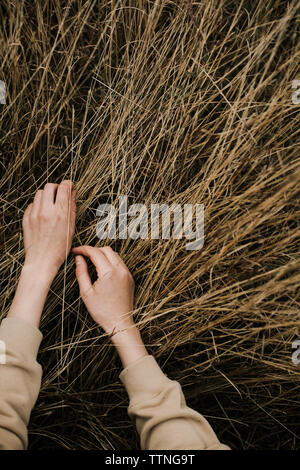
159	410
48	227
20	375
31	293
20	380
129	345
157	404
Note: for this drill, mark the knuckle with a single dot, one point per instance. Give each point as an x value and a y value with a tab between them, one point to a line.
61	207
110	274
65	184
59	217
26	212
38	194
85	293
34	216
43	216
124	273
25	219
50	185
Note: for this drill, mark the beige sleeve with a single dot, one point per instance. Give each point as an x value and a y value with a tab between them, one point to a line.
158	409
20	380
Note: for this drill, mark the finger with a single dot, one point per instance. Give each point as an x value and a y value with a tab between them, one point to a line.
112	256
28	209
99	260
49	192
37	202
73	205
82	275
27	212
63	195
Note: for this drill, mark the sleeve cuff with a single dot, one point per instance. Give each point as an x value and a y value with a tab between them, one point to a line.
143	378
20	334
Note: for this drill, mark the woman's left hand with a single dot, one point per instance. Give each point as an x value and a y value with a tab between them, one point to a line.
48	226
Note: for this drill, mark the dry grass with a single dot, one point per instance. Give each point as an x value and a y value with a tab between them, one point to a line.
165	101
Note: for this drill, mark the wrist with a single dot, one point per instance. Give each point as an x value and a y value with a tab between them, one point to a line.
124	332
31	293
129	345
39	273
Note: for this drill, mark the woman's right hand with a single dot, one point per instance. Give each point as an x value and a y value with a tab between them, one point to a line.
110	299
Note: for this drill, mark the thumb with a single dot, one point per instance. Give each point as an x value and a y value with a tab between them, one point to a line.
82	275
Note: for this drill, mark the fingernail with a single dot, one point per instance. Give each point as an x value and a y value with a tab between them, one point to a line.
78	259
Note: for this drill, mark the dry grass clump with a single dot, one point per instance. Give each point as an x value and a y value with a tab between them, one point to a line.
175	102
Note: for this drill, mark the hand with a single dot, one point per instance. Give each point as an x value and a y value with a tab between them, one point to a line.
48	226
110	299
